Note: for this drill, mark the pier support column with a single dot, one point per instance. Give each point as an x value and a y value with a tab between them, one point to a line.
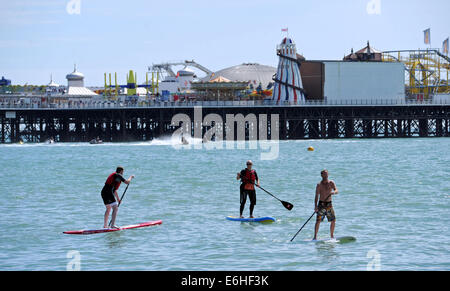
368	128
3	131
400	131
297	129
90	130
134	133
423	127
408	127
108	130
332	128
313	128
283	126
323	128
447	129
439	131
301	129
160	122
386	127
13	131
123	125
41	130
63	129
349	128
78	129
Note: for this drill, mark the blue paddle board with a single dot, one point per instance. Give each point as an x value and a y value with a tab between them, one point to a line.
256	219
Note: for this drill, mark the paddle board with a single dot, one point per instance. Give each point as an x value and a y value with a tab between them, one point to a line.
256	219
102	230
339	239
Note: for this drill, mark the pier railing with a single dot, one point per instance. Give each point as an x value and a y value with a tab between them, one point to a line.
103	104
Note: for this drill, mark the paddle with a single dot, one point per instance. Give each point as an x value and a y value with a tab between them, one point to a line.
287	205
302	226
120	200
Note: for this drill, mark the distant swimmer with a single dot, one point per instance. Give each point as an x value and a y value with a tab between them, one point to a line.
109	194
248	179
324	190
96	140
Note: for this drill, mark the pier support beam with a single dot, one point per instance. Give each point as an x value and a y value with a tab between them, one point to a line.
313	129
349	128
423	127
439	129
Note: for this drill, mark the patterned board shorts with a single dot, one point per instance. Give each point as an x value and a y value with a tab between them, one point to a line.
325	209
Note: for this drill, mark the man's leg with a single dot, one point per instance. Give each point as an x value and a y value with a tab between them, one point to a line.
252	195
114	214
332	218
333	224
252	206
108	209
243	200
316	228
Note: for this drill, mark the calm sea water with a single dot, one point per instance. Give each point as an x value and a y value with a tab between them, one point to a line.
394	198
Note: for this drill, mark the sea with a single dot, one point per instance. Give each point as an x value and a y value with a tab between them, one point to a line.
394	199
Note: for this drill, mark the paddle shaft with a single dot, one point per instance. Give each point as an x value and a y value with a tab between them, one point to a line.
123	194
287	205
120	200
302	227
268	192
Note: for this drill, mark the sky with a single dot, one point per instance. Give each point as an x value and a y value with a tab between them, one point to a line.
43	37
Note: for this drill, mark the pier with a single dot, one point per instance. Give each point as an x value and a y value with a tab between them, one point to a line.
144	123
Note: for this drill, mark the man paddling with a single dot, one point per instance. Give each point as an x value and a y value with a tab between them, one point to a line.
248	178
110	196
324	190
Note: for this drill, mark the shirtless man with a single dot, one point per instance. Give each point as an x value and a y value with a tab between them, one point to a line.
324	190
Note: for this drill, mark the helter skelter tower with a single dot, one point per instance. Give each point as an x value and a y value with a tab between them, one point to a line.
288	81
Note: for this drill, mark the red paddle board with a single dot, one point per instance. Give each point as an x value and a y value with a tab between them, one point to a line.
102	230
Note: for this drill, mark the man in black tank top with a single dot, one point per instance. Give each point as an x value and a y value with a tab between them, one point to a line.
110	196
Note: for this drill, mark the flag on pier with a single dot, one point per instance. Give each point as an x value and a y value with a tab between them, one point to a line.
427	37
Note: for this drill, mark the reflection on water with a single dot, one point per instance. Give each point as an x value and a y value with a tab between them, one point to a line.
327	251
115	240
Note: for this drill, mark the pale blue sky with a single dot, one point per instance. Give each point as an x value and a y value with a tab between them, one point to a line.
39	37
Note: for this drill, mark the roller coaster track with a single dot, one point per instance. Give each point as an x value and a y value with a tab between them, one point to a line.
168	67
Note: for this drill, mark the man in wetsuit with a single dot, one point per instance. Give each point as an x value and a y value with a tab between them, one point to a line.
248	179
110	196
324	190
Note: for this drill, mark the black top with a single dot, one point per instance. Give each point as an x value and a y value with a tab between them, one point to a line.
113	181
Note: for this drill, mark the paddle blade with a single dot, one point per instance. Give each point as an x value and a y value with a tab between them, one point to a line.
287	205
